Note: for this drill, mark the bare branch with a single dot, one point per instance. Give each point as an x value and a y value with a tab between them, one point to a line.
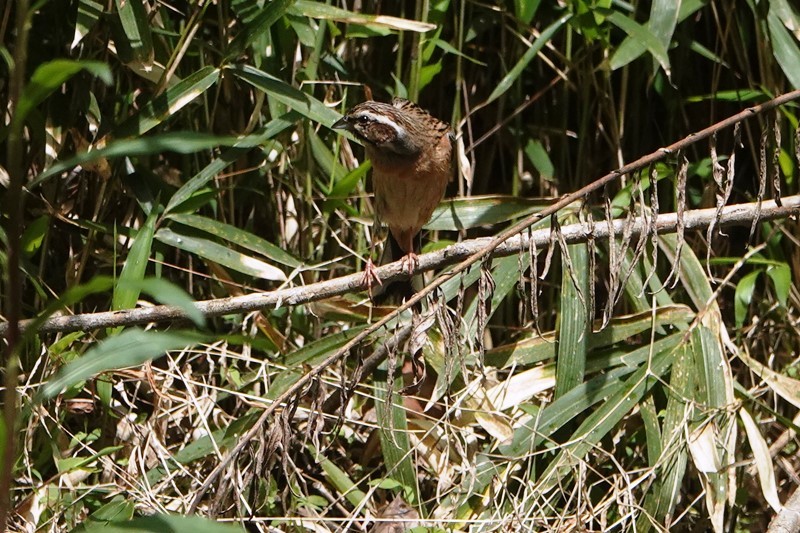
740	214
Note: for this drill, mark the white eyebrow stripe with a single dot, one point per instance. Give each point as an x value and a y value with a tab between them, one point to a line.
399	130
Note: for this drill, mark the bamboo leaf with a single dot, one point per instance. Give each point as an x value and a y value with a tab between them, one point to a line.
663	19
130	348
127	291
259	24
643	36
238	237
89	13
220	254
133	39
182	142
784	48
512	76
319	10
240	146
465	213
574	319
167	104
50	76
303	103
163	523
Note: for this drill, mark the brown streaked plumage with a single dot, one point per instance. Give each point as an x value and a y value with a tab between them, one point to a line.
411	153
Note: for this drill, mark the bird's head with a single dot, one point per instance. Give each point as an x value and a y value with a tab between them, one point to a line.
402	127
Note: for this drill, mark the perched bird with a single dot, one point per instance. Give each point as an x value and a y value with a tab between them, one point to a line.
411	153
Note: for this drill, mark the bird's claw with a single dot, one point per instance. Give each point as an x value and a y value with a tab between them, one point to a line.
370	276
410	262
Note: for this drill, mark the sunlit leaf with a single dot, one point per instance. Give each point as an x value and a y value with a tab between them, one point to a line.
89	13
663	19
201	179
642	35
238	237
132	347
50	76
182	142
164	523
133	271
297	100
260	23
220	254
133	38
465	213
763	460
744	296
320	10
168	103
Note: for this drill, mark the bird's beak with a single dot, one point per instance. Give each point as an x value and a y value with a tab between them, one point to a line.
341	124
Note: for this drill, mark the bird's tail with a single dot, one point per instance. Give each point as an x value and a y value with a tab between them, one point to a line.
395	292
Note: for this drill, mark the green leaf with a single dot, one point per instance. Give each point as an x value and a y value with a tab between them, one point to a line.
663	19
526	9
744	295
509	79
238	237
319	10
167	104
303	103
220	254
34	234
465	213
117	510
343	188
781	276
167	293
164	524
643	36
241	146
735	95
127	292
674	456
258	25
340	480
393	432
182	142
574	320
89	13
784	48
604	419
133	39
130	348
538	156
50	76
450	49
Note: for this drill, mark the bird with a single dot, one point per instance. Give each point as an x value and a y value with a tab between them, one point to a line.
412	162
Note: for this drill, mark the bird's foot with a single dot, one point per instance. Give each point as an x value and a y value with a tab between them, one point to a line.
410	262
370	277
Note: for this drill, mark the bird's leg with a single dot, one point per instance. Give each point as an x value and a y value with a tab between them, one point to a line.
410	261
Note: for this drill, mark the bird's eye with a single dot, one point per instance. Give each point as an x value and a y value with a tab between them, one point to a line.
363	119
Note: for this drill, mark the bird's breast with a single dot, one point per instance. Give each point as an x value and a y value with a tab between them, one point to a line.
408	190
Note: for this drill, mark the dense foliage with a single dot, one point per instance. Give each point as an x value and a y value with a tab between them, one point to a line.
177	151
